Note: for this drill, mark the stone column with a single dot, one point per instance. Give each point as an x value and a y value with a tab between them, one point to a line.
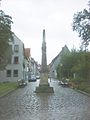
44	85
44	69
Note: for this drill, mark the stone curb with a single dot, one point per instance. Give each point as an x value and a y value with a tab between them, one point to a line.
82	92
8	93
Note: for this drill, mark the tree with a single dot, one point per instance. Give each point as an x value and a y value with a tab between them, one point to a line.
5	38
65	67
81	24
76	63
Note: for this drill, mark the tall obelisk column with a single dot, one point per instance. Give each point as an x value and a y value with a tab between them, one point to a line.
44	57
44	69
44	85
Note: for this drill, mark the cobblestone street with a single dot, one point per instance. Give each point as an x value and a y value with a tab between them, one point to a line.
63	104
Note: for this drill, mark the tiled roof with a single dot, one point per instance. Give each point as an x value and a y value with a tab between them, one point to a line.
27	52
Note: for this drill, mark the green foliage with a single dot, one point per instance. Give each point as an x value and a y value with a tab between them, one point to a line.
81	24
84	86
83	65
5	38
76	63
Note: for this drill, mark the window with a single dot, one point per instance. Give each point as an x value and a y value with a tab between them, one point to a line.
8	73
15	73
16	60
16	48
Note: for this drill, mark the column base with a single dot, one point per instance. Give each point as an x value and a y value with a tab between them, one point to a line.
44	89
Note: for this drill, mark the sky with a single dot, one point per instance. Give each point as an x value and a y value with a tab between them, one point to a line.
30	17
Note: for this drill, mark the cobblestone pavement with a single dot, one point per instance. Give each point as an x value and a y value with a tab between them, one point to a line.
63	104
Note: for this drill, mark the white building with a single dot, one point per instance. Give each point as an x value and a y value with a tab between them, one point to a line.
15	68
34	68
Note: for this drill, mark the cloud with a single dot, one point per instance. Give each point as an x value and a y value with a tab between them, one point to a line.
30	17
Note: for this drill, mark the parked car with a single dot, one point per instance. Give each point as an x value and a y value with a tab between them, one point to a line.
64	83
22	83
32	78
37	77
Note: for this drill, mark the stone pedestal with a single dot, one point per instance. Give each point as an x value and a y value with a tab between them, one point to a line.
44	86
44	79
44	89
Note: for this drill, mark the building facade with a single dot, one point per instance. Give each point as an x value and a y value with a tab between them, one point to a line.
27	63
15	68
56	61
34	67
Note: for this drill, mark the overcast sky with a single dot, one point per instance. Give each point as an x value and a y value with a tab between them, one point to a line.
30	17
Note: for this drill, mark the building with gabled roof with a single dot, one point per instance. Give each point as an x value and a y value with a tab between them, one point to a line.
56	61
15	67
